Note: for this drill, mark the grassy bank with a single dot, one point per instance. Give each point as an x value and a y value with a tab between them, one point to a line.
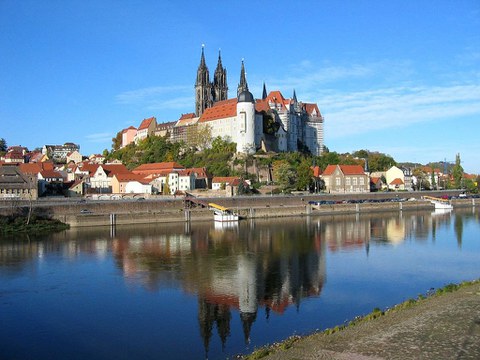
376	313
18	224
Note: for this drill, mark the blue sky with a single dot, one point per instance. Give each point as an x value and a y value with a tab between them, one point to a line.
399	77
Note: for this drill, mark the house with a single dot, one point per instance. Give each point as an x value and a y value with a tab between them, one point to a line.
49	181
36	157
101	179
14	184
74	156
165	129
96	159
14	157
59	152
376	183
76	188
345	178
181	180
221	182
395	178
146	128
202	179
130	183
128	136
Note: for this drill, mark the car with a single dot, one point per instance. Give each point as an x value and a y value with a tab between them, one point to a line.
85	211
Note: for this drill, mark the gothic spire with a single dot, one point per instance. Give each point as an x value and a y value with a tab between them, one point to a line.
294	96
220	88
242	86
202	59
264	94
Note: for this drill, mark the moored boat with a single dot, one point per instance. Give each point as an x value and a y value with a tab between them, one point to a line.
221	213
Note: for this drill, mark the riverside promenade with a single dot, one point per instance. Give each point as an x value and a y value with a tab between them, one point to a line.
445	326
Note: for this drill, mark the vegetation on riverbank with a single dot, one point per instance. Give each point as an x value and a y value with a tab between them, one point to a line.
36	224
376	313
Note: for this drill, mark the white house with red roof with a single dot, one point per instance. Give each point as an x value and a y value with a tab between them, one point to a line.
346	179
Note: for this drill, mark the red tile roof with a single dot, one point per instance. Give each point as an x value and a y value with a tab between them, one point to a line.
221	110
345	169
51	174
277	97
131	177
224	179
114	169
262	105
187	116
352	170
316	171
397	181
309	108
146	123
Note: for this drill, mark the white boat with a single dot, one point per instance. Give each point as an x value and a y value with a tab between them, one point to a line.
440	204
222	214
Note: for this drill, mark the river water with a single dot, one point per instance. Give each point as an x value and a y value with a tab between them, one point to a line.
203	290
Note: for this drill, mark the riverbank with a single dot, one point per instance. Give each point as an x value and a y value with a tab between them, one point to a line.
19	224
445	325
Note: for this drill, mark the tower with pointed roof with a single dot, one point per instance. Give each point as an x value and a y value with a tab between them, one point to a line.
220	88
203	87
242	86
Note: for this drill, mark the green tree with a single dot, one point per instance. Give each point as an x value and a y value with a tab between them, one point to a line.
199	136
304	175
457	173
3	145
285	175
380	162
117	141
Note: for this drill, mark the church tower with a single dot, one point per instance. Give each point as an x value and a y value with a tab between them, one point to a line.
220	88
203	88
242	86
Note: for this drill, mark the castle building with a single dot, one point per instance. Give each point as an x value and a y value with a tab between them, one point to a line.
272	123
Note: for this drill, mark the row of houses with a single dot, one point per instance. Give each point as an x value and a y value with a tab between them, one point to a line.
59	154
354	178
168	178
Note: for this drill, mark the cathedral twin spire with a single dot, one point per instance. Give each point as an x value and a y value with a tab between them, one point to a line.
206	92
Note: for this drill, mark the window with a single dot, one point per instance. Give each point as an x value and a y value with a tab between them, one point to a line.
362	181
347	181
354	181
337	181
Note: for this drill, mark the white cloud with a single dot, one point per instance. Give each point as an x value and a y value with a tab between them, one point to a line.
359	112
150	94
99	137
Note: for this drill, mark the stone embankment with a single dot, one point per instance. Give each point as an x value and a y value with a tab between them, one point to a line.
166	210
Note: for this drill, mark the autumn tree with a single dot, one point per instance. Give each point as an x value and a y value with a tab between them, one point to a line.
117	141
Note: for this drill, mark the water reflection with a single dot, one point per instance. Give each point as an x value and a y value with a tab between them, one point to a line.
242	268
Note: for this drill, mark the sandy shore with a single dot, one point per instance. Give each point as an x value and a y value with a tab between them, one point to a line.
443	326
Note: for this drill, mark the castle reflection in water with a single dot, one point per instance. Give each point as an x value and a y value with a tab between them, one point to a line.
252	266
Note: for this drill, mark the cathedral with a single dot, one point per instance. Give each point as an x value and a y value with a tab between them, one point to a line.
272	123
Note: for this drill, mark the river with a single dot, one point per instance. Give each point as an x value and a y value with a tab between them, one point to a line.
192	291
